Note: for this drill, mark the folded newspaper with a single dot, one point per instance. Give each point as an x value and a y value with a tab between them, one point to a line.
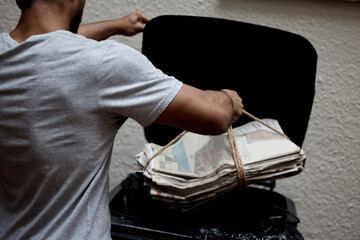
198	167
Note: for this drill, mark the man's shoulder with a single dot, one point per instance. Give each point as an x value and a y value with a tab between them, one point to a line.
74	45
4	44
71	40
66	37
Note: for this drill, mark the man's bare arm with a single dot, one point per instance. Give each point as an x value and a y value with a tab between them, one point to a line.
128	26
203	112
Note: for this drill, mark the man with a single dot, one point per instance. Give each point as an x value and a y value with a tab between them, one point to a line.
63	99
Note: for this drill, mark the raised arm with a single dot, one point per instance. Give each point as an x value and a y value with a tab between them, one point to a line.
128	26
203	112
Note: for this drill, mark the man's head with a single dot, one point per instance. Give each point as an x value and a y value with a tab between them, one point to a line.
76	6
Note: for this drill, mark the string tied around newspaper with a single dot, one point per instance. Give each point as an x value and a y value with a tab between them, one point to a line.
236	155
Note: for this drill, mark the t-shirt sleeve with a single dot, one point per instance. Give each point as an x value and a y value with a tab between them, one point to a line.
131	85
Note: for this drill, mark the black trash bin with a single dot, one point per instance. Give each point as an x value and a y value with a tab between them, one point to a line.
251	214
263	65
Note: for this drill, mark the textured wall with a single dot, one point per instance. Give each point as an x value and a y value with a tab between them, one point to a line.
327	192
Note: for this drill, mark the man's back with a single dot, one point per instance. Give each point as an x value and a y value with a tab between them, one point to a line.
60	109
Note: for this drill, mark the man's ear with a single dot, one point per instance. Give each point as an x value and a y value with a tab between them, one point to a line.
23	4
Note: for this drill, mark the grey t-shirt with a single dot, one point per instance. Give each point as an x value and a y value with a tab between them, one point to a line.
62	100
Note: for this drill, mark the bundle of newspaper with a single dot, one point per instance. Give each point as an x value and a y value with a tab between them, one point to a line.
198	168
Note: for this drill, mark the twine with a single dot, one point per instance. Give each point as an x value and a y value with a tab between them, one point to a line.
265	124
236	155
237	160
164	147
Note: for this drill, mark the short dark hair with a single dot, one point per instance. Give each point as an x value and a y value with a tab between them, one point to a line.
23	4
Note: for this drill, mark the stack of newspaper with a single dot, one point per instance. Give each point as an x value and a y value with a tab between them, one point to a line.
198	167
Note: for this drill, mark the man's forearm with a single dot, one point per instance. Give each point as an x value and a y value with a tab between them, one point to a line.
100	30
128	25
203	112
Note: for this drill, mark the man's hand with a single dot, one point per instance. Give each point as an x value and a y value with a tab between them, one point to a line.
129	25
236	102
133	23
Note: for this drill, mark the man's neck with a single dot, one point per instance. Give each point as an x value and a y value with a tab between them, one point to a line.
36	21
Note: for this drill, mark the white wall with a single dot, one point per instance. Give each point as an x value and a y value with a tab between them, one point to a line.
327	192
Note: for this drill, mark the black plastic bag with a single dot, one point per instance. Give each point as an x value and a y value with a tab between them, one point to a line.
251	214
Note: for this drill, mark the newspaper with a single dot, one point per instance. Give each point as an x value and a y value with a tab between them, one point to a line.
198	167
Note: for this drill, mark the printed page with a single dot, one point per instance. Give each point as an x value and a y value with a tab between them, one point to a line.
257	142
